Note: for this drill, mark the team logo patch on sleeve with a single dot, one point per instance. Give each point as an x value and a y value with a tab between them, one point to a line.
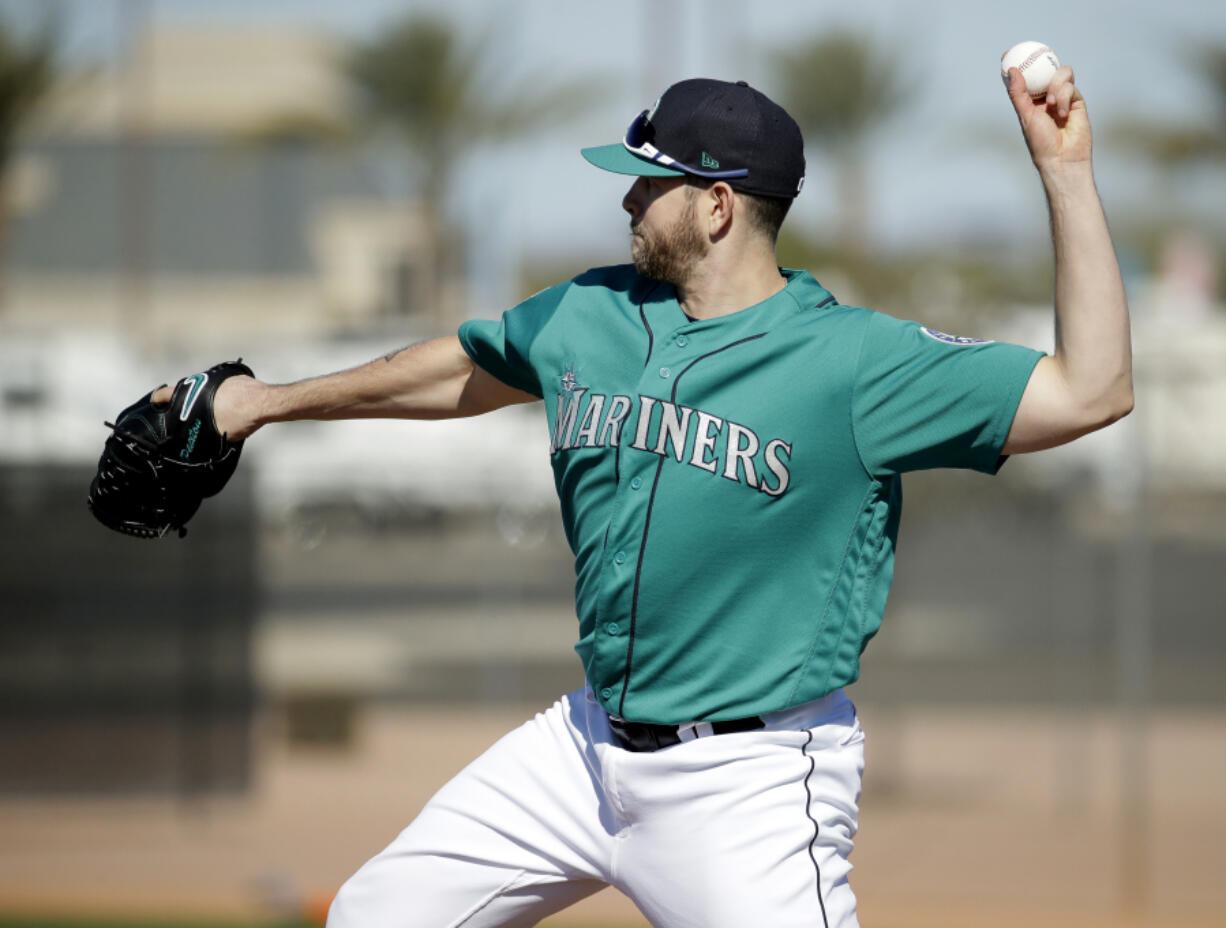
953	339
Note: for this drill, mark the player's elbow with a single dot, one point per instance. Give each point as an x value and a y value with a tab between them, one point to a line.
1110	406
1126	403
1121	400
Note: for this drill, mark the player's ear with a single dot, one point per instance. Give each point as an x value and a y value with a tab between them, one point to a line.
720	207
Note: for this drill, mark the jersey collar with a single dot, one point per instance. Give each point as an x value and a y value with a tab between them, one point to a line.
801	291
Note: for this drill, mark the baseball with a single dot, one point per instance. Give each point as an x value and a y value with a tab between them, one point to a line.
1036	61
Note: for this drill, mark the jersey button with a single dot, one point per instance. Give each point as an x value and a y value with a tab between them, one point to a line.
613	628
619	557
665	373
606	693
682	341
636	483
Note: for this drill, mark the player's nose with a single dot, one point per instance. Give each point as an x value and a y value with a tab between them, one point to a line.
632	201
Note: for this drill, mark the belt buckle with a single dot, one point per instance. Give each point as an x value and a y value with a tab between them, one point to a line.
690	731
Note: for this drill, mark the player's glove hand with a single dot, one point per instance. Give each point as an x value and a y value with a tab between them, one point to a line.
163	459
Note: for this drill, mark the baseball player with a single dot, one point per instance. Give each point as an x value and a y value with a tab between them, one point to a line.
728	442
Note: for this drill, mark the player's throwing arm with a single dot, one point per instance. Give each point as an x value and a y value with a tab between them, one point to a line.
1087	383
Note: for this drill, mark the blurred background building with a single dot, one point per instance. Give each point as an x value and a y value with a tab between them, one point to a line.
230	724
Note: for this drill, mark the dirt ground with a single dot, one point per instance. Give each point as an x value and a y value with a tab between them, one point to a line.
1001	817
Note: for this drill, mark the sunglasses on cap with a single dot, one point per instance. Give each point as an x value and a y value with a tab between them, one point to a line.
638	141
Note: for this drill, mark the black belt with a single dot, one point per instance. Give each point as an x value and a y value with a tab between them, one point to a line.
644	736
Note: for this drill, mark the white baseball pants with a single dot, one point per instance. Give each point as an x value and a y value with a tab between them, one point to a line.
725	831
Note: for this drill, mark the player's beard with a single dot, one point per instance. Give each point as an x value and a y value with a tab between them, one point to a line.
669	255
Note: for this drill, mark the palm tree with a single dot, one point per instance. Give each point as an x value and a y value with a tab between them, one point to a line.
1175	150
1213	69
443	96
842	89
27	71
1173	147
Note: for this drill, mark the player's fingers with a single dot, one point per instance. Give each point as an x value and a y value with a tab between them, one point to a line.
1061	76
1060	91
1017	92
1059	101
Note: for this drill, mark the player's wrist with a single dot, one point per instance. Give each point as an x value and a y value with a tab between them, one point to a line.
241	407
1066	181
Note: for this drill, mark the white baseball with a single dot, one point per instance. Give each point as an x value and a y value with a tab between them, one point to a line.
1036	61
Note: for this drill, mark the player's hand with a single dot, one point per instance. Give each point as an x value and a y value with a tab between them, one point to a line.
233	407
1056	127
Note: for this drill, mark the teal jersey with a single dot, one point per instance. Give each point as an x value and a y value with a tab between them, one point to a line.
731	487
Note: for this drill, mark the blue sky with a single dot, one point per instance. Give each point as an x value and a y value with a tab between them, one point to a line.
933	178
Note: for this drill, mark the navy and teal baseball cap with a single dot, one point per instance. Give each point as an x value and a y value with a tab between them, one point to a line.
713	129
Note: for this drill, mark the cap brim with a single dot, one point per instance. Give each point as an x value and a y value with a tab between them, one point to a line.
617	159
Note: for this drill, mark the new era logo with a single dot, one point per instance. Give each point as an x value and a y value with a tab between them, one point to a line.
708	161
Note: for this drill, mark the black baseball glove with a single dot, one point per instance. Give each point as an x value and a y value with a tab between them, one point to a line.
162	460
